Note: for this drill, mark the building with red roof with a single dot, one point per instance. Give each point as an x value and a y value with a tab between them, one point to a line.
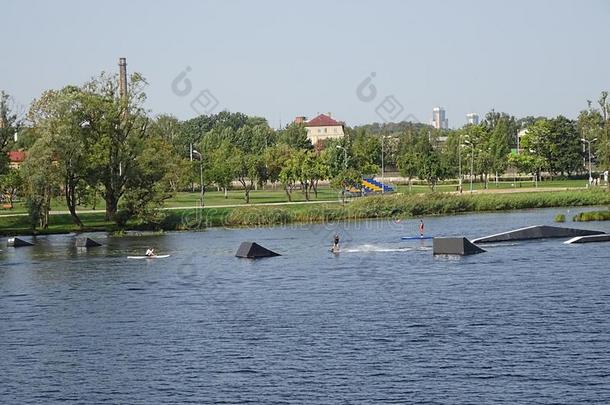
322	127
16	158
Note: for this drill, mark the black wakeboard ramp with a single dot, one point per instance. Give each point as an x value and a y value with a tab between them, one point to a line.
84	242
536	232
18	242
252	250
454	246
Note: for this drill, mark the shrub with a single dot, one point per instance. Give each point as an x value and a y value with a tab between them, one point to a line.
592	216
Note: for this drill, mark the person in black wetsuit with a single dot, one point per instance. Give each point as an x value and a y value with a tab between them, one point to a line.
335	247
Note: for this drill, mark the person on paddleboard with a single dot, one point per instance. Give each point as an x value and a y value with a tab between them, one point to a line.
150	252
421	228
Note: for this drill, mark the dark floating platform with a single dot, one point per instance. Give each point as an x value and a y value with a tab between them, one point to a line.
590	239
252	250
536	232
454	246
17	242
83	242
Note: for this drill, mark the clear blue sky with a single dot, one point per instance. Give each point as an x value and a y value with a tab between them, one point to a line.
286	58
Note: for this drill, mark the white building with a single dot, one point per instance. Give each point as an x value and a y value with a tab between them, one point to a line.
472	118
321	127
439	121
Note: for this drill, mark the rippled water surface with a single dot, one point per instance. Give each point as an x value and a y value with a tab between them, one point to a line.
382	322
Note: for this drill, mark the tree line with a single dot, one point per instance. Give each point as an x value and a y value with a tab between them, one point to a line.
90	142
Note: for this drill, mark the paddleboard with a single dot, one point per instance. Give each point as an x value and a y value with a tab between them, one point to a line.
416	237
333	250
149	257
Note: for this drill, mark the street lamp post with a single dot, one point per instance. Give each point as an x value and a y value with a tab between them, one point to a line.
467	142
471	167
460	162
383	137
200	177
191	159
589	142
382	168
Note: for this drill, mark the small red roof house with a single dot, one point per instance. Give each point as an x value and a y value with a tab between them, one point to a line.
322	127
16	158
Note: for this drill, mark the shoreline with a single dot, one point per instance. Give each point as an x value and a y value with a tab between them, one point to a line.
394	206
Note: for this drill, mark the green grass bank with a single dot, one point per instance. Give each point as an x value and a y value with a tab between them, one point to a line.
381	206
405	206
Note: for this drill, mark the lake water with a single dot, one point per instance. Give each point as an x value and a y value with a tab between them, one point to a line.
382	322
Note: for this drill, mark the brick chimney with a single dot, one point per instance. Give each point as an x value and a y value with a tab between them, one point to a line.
123	77
299	120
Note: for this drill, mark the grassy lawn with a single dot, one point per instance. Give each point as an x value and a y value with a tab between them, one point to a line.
236	197
57	224
212	198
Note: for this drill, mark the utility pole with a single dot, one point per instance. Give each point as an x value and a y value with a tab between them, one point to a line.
191	155
471	167
382	168
460	162
467	142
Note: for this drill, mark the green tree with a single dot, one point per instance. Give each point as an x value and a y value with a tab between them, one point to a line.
316	170
170	129
222	171
275	160
306	167
365	152
565	146
604	140
289	174
295	136
247	170
58	118
408	164
336	156
500	137
9	125
345	180
11	184
146	192
42	182
429	163
118	126
452	152
477	151
527	163
536	150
